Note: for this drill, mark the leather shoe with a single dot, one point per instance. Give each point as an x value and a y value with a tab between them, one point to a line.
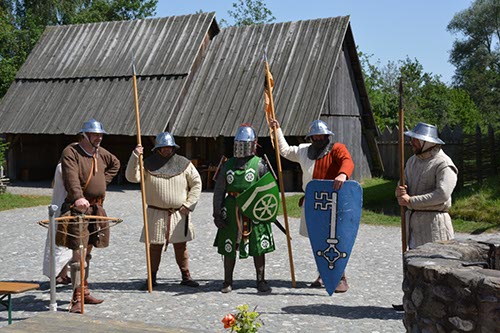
190	283
263	287
63	280
318	283
342	287
226	288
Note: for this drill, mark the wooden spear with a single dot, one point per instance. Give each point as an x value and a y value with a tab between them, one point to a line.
141	168
274	137
402	162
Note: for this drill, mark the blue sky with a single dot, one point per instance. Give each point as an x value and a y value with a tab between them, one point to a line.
389	30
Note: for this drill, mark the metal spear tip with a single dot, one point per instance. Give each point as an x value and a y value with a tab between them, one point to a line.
133	63
265	54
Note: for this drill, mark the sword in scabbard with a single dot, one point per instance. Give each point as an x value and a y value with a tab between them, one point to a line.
223	159
281	227
270	167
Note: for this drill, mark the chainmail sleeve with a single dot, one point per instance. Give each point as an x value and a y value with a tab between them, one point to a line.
219	193
263	168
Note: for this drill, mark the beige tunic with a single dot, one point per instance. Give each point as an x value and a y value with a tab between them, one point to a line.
181	190
431	178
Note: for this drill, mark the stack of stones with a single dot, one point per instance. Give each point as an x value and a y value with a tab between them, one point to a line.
447	289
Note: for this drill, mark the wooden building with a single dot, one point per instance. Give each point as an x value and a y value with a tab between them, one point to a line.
195	80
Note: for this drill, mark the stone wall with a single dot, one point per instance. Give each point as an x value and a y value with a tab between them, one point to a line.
441	294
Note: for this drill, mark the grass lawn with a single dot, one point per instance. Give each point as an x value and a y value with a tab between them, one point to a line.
475	209
11	201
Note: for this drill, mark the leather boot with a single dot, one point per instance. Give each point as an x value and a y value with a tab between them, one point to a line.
76	301
342	287
318	283
260	265
229	264
182	259
154	259
87	298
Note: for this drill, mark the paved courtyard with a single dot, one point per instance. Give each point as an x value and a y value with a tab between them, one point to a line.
374	274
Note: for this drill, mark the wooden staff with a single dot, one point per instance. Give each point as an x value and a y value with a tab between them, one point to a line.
141	168
402	162
274	136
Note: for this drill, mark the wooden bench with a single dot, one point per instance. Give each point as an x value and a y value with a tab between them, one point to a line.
9	288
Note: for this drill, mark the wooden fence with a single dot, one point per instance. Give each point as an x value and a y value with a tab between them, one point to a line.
475	155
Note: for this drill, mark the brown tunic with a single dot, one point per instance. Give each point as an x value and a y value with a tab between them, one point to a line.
76	168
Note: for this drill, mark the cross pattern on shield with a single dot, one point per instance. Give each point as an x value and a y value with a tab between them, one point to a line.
332	219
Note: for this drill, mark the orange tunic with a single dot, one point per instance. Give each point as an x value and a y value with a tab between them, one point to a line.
337	161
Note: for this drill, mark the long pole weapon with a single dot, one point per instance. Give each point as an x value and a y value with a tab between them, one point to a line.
402	162
274	137
141	168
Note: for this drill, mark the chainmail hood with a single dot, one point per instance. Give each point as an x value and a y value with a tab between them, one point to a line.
166	167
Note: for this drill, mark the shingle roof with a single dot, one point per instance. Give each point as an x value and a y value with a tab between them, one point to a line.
77	72
228	89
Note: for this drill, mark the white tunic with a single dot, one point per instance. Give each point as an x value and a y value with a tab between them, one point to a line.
181	190
431	178
62	254
298	154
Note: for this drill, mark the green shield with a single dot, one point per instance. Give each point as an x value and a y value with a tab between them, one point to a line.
260	202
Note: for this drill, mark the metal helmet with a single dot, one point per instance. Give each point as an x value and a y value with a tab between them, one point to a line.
245	141
165	139
318	127
425	132
93	126
245	133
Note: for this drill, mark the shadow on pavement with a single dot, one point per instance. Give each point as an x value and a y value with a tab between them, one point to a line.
346	312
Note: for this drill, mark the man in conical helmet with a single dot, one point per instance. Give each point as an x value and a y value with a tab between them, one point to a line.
322	158
430	178
87	169
237	232
173	187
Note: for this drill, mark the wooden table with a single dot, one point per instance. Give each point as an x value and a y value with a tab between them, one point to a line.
9	288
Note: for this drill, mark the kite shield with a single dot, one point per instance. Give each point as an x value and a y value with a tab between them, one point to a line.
332	219
260	202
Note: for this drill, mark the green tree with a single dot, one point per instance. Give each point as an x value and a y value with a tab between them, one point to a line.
22	22
476	55
425	97
249	12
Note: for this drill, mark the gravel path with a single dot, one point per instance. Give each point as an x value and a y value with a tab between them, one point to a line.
374	274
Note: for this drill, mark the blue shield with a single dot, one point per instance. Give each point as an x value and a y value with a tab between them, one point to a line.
332	219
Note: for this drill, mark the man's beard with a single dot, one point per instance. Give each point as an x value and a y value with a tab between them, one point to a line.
318	149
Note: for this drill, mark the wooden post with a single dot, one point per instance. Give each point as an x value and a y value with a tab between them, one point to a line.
141	168
402	163
479	155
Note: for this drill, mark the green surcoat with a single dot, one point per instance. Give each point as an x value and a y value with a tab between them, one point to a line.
260	240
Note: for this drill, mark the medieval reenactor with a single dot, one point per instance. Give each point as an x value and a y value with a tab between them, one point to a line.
322	158
173	187
430	177
87	169
241	228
